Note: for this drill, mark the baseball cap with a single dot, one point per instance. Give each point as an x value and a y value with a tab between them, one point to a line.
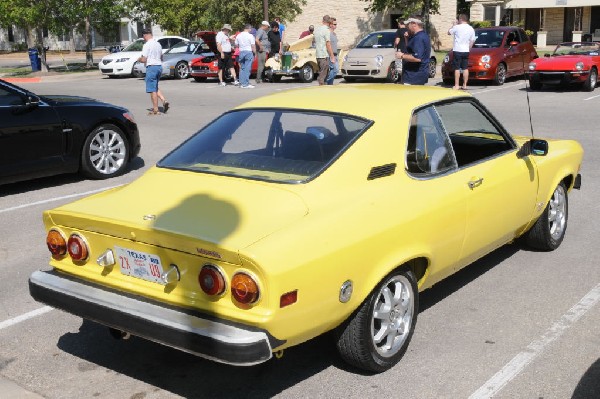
415	20
265	23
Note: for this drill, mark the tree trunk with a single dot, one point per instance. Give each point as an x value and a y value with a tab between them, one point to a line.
42	49
89	54
72	41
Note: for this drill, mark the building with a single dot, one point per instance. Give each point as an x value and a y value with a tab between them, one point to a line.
550	21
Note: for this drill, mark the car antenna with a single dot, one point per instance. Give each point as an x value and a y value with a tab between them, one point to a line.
526	77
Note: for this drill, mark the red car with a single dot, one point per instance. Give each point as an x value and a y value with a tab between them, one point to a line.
498	53
570	63
207	66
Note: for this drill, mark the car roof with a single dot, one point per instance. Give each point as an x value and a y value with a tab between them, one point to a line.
384	100
500	28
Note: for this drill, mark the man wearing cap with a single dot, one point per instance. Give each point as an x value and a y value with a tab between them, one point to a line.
224	49
415	63
263	47
152	58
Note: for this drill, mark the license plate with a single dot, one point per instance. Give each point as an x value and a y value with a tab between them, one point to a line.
140	264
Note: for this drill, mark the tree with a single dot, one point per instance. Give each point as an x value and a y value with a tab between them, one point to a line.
408	7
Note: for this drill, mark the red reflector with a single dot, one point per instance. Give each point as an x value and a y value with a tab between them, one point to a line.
56	243
288	298
211	280
77	248
244	289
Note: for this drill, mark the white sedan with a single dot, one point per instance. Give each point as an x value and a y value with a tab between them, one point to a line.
121	63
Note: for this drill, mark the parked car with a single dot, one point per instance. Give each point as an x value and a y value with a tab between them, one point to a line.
298	60
570	63
122	63
53	134
374	58
177	60
207	65
287	218
498	53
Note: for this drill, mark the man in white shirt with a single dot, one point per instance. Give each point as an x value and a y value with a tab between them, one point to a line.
152	58
225	54
247	45
464	37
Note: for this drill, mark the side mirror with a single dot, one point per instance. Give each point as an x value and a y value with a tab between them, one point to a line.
536	147
513	43
32	102
547	55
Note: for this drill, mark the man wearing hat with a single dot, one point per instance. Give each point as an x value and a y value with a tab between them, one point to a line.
152	58
263	47
224	49
415	64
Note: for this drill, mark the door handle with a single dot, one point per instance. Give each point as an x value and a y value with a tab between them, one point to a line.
475	183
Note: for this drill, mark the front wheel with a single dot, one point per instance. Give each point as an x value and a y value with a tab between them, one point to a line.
182	70
549	230
377	335
306	74
432	67
590	83
105	152
500	77
392	75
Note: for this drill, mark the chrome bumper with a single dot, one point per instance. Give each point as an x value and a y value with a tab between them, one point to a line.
179	328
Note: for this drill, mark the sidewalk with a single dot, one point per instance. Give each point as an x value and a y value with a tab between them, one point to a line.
12	390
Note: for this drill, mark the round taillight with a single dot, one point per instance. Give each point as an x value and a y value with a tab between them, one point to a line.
211	280
57	245
244	289
77	247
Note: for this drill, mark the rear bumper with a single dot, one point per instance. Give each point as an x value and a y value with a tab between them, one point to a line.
176	327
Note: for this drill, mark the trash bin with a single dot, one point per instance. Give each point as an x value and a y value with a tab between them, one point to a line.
34	59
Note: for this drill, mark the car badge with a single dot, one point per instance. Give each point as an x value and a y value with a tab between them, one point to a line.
206	252
149	217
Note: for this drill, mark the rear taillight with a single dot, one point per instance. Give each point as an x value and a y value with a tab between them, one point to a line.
211	280
244	289
77	248
57	245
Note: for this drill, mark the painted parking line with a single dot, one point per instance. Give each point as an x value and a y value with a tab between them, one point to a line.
534	349
14	208
508	86
591	98
29	315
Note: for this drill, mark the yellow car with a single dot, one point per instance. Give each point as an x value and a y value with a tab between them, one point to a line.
303	212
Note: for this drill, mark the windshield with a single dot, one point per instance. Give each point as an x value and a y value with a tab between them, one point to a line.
287	146
378	40
183	48
488	38
135	46
577	49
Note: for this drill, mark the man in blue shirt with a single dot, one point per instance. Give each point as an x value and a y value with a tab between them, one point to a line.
415	62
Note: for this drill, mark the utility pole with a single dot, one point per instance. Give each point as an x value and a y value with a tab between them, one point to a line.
266	10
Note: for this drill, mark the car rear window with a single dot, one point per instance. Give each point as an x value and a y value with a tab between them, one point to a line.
288	146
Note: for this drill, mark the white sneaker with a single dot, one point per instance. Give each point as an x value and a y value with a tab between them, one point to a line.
222	84
236	82
248	87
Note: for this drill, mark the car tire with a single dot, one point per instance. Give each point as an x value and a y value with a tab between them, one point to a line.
105	152
549	230
307	74
375	338
136	73
392	75
500	76
199	78
182	70
535	84
590	83
432	67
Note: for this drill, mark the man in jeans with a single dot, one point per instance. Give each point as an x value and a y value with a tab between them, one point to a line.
333	65
152	58
323	49
263	46
247	45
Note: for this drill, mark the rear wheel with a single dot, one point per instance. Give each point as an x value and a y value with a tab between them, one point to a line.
105	152
377	335
590	83
182	70
306	74
500	77
432	67
549	230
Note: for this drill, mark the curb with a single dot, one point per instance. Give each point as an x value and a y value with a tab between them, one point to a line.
11	389
53	78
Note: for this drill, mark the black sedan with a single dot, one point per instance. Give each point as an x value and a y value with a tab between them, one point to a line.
48	135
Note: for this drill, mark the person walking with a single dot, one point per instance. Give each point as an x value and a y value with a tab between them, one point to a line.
464	38
152	58
415	64
323	50
333	65
225	55
247	45
263	47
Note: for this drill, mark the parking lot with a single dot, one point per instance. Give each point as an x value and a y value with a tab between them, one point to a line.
516	324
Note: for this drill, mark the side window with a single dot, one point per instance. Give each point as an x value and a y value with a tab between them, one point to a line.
8	98
512	36
429	151
473	135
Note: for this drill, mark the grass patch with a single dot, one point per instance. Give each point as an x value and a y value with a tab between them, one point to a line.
18	71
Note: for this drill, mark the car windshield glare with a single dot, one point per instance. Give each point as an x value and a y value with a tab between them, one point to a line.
577	49
135	46
288	146
488	38
183	48
378	40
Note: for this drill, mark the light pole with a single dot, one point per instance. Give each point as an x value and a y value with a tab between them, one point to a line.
266	9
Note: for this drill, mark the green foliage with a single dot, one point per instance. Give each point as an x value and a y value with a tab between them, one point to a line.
408	7
481	24
463	7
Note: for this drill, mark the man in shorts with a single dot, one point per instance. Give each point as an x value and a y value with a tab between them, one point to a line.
152	58
464	37
225	54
